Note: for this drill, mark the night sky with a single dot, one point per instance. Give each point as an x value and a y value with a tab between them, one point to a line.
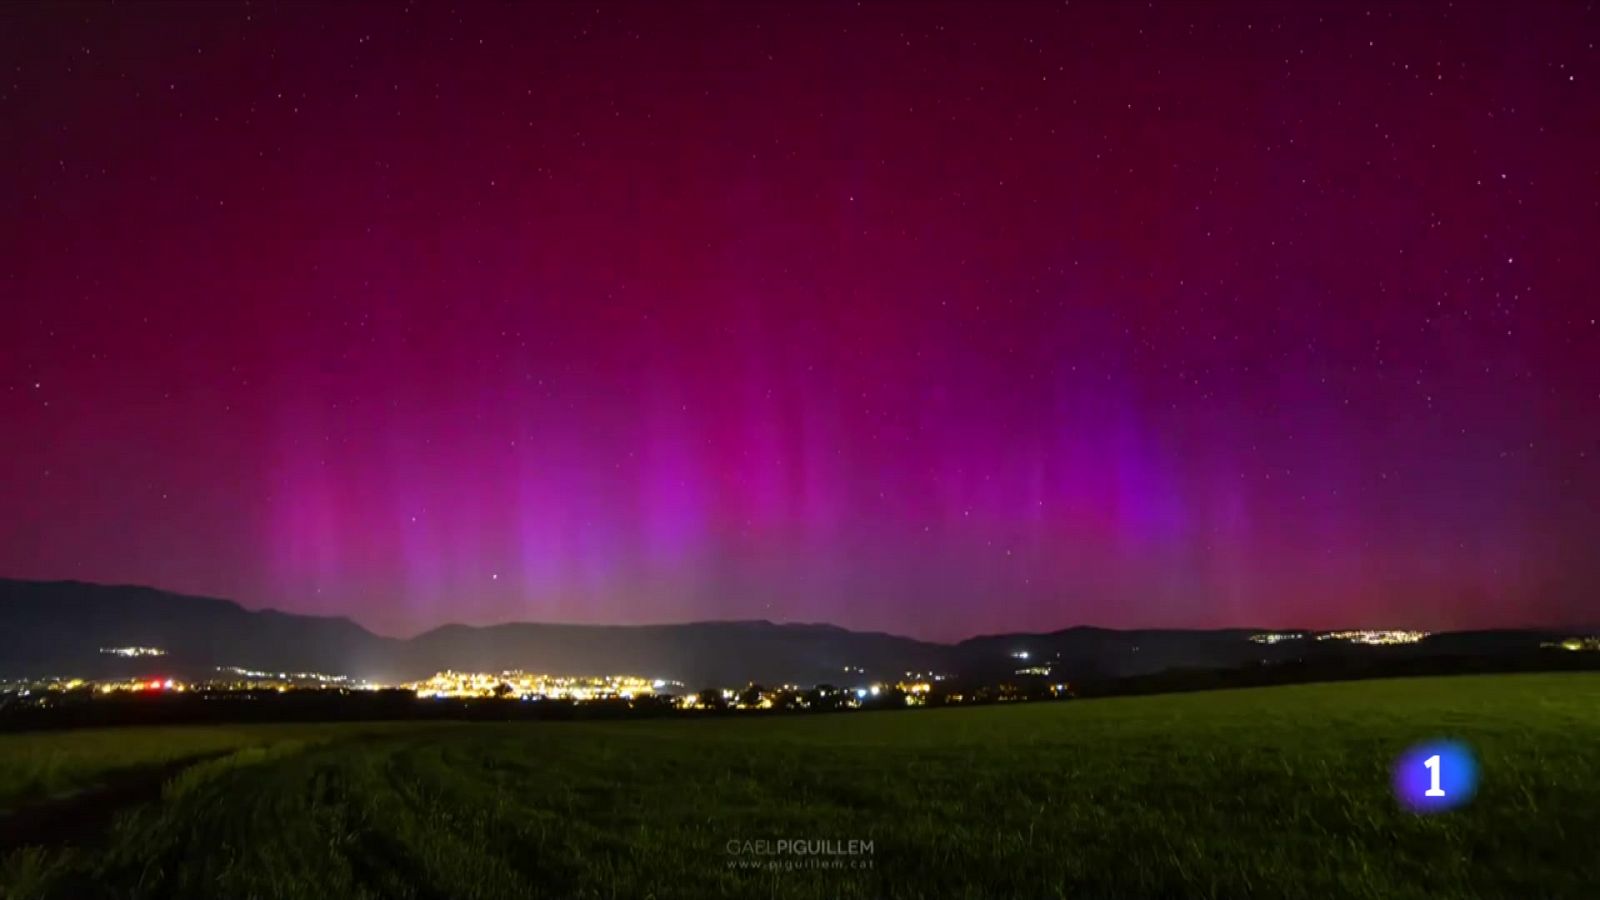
936	319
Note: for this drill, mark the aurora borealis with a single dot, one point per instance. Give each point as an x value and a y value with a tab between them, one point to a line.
938	319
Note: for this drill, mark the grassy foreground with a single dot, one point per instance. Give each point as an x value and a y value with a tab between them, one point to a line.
1274	792
38	765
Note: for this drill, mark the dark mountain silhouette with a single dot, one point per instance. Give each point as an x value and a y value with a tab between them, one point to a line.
699	653
59	628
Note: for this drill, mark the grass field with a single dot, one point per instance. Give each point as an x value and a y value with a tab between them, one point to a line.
1275	792
39	765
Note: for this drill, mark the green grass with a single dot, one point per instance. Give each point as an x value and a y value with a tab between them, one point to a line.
1277	792
39	765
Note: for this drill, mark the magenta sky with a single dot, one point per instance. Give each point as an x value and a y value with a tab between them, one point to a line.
938	319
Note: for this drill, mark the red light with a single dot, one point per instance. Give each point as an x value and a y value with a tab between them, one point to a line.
155	685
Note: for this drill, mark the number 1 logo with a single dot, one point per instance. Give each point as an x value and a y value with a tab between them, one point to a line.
1421	783
1434	765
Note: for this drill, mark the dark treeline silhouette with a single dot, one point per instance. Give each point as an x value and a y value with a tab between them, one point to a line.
1353	668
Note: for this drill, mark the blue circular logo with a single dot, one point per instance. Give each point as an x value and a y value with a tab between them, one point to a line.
1435	776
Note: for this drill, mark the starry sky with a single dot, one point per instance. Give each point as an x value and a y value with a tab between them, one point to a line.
940	319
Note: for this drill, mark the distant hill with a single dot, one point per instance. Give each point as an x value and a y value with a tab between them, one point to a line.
1086	652
699	654
59	627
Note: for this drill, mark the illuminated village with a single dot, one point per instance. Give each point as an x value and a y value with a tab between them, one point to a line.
1030	679
1374	638
519	685
914	689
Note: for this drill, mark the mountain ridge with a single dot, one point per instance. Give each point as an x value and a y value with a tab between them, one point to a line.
58	627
